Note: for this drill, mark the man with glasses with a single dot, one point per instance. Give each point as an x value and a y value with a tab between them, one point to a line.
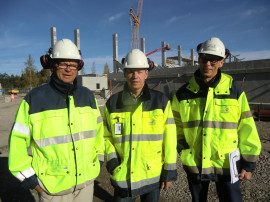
62	124
214	122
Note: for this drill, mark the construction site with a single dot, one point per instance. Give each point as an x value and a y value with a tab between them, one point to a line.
167	77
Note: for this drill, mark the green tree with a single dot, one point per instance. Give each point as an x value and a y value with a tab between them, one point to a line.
18	82
29	76
106	69
43	75
4	80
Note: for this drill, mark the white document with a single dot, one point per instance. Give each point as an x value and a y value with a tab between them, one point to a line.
233	158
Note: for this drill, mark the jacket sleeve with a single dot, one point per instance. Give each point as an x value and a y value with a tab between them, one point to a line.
249	141
169	172
111	154
19	161
181	141
99	141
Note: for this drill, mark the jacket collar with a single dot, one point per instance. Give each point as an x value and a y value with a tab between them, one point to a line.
212	83
64	88
126	98
196	84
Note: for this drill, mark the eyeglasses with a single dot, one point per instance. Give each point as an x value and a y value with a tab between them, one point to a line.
211	58
65	65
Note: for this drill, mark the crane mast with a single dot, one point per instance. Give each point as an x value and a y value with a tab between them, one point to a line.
136	23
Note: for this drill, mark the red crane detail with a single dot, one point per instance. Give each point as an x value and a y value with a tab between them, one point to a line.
167	47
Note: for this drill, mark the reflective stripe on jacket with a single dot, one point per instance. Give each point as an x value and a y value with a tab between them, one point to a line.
65	133
140	141
211	123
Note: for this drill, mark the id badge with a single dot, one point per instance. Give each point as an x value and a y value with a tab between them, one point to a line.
118	129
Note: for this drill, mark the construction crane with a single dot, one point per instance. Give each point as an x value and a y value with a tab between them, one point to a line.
167	47
136	23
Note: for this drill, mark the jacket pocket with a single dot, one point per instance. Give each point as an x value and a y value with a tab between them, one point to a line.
86	110
223	156
187	156
117	169
88	118
43	122
227	110
112	165
59	170
152	122
119	173
154	161
191	110
223	153
153	166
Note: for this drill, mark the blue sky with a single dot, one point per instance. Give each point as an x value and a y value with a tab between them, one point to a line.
243	26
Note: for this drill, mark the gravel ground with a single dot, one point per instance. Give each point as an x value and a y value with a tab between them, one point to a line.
258	189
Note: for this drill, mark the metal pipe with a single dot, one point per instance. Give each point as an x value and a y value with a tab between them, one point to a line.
115	53
53	36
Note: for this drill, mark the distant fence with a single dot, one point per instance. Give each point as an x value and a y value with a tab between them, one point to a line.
261	110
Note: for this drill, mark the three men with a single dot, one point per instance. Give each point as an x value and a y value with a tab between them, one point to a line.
140	135
213	119
62	124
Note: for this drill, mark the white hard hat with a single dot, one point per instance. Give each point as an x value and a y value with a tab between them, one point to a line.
213	46
135	59
65	49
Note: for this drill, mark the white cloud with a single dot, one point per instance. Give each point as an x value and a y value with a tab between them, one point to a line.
252	12
210	28
177	18
63	11
115	17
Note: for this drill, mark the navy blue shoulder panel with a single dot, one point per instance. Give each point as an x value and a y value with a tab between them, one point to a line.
45	98
114	104
184	94
235	92
83	97
157	101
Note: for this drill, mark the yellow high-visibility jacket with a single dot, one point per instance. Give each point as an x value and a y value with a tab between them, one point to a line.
212	122
62	124
140	141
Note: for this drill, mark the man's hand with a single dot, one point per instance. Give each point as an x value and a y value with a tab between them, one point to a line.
244	175
165	185
38	189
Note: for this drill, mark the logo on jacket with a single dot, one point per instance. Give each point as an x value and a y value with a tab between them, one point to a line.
153	122
226	110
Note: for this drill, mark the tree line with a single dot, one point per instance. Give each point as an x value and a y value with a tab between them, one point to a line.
30	77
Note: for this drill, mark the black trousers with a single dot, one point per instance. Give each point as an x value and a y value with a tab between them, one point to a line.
225	190
152	196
